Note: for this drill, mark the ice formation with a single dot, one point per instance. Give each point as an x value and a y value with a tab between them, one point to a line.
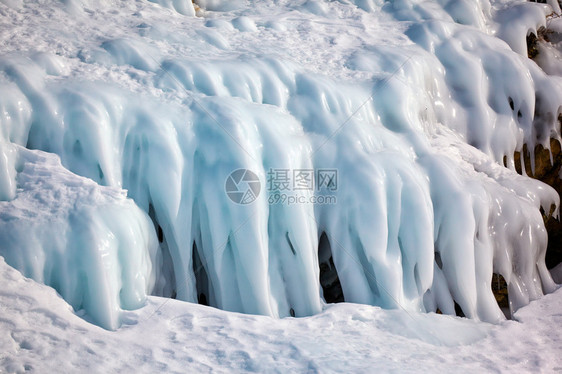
91	243
416	104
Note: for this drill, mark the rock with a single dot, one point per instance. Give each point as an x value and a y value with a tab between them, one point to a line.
548	173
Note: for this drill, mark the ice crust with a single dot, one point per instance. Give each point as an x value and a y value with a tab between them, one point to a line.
91	243
417	125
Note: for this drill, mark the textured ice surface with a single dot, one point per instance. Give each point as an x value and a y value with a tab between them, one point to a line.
184	7
89	242
415	103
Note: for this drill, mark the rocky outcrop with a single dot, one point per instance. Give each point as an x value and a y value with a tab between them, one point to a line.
549	173
547	163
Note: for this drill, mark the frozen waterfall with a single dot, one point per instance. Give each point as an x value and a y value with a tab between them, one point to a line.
412	105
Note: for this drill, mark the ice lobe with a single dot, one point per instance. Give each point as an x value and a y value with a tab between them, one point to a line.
90	243
492	86
184	7
7	172
517	21
220	5
132	52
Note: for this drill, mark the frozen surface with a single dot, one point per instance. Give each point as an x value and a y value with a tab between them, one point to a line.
557	273
89	242
416	104
549	46
41	334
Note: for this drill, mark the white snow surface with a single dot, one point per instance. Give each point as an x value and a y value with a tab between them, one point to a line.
44	335
415	103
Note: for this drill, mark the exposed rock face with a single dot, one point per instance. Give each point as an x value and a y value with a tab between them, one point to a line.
329	279
547	163
549	173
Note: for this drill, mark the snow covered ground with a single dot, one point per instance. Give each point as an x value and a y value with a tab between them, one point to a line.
41	334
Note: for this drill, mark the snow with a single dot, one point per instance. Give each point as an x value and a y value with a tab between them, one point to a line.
172	336
416	104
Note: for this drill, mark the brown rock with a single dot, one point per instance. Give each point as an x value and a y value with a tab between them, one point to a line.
549	174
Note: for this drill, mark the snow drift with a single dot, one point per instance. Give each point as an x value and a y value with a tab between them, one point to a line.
416	104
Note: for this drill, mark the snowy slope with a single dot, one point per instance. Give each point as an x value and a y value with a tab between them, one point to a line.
415	103
176	337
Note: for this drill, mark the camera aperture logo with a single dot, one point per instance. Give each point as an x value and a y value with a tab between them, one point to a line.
243	186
